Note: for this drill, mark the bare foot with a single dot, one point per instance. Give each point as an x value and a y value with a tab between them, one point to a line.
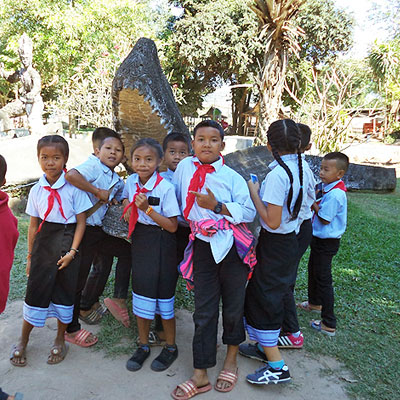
57	352
18	355
120	302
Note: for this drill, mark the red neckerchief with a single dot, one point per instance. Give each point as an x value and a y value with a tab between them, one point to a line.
50	201
196	183
134	214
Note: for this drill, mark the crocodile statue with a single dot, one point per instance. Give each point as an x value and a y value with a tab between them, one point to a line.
142	100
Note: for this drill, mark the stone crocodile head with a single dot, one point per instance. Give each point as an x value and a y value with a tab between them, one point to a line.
143	102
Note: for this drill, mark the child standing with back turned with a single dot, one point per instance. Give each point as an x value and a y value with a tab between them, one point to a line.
278	205
329	224
219	258
56	228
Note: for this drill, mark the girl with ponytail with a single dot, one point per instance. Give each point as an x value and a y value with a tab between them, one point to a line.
278	205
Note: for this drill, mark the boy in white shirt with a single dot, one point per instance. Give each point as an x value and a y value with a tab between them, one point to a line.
216	202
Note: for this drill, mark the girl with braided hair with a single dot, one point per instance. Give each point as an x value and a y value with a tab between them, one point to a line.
278	205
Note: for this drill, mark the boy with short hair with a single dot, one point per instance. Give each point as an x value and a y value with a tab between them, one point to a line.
91	311
96	176
220	255
8	240
329	224
176	148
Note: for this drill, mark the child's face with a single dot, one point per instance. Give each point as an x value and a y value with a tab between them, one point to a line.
52	162
329	172
207	144
175	152
145	161
111	152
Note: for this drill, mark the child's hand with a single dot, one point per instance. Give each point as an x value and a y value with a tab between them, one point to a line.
127	214
254	187
102	195
113	201
141	202
206	200
28	267
64	261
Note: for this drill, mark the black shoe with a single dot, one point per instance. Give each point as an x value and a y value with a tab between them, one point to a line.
165	359
252	351
138	358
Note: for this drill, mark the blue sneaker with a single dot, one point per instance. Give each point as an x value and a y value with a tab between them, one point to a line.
252	351
266	375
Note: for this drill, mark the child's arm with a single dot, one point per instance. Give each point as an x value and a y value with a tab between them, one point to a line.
33	227
170	224
209	201
78	180
78	235
270	214
127	215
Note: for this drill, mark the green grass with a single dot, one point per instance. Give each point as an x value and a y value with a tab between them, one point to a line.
366	273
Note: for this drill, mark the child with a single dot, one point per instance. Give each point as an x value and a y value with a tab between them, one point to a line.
91	311
278	206
219	257
56	228
329	224
176	148
290	336
152	225
8	240
96	176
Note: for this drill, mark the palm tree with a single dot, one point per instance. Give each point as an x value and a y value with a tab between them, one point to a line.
280	38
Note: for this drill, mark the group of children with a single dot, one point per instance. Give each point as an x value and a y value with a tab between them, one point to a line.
192	219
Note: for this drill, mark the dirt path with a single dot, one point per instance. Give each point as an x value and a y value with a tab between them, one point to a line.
87	374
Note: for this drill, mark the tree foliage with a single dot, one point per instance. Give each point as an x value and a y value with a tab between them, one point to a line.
71	36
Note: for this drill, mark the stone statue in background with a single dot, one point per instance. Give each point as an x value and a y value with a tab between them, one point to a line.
29	101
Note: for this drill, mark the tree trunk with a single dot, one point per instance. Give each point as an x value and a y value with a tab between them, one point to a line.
71	125
271	84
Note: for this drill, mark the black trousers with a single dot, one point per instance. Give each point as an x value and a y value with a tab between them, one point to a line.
3	395
290	321
271	280
320	285
211	282
99	274
94	241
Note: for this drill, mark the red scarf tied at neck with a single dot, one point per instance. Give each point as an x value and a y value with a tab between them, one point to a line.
50	201
196	183
134	213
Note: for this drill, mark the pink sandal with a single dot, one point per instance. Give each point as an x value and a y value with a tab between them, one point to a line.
119	313
80	338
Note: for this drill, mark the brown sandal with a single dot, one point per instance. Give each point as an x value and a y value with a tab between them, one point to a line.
16	352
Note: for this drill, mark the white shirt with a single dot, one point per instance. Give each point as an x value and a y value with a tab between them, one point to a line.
74	201
229	188
168	174
275	190
101	176
165	191
308	194
332	208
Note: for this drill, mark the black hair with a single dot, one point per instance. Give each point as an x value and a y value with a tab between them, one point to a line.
113	137
342	161
3	169
148	142
284	136
56	141
212	124
99	134
175	137
305	133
